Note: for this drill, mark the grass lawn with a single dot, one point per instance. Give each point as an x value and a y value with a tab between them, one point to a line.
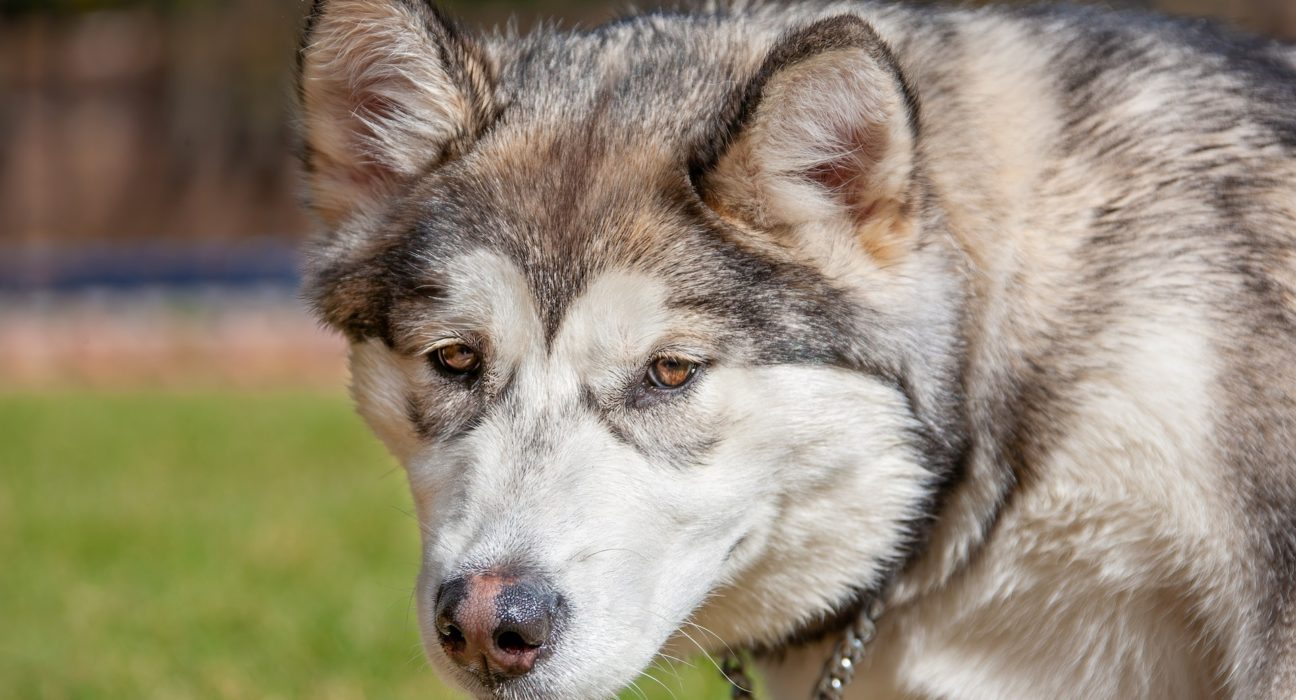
211	546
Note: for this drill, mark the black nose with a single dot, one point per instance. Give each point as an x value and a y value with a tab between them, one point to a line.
496	624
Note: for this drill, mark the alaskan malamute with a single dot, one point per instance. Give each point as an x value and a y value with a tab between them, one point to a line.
740	327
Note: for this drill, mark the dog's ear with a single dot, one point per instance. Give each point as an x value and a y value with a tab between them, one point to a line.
387	88
823	134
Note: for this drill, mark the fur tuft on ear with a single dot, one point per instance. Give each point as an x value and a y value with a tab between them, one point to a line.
826	136
387	89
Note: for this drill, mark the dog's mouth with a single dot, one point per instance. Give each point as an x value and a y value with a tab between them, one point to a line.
516	667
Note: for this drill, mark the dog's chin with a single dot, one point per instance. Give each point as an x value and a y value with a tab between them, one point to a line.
505	689
540	686
555	676
472	685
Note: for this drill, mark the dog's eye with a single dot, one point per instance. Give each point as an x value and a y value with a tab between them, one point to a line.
671	372
457	359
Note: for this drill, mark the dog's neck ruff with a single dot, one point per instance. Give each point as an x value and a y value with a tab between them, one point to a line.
837	672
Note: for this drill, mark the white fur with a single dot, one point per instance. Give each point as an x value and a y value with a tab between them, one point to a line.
638	547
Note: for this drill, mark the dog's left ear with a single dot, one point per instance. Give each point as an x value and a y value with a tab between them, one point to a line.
824	134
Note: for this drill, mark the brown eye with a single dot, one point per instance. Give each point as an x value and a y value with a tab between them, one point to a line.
457	359
671	372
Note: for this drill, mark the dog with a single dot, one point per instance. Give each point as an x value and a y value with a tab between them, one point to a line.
717	328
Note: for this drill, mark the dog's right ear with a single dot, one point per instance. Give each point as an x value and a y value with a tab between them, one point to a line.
388	88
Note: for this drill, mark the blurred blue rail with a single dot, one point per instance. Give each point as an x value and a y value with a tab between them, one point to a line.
259	264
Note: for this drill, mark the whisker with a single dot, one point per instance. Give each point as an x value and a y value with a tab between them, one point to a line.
610	549
715	636
676	660
656	680
714	663
417	656
638	691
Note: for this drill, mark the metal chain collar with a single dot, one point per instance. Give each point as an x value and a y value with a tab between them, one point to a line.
837	673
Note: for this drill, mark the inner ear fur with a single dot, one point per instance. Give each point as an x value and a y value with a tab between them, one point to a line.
826	135
387	89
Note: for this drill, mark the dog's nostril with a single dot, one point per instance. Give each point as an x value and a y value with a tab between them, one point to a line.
449	598
513	643
452	636
526	615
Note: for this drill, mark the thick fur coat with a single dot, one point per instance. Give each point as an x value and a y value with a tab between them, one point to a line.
989	312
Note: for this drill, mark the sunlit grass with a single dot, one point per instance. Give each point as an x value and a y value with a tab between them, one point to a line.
211	546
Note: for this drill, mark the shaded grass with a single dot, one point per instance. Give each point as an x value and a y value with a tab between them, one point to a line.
211	546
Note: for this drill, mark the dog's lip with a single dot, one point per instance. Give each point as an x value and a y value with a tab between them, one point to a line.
492	687
483	684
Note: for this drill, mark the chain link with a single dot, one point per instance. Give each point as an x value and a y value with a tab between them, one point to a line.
847	655
838	672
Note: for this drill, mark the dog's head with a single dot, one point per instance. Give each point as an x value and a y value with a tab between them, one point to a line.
657	318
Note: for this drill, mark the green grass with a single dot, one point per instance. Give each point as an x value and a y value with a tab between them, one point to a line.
210	546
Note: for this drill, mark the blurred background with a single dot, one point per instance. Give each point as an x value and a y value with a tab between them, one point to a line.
188	507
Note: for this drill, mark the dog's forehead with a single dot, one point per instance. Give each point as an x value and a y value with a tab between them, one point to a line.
560	219
619	315
587	166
